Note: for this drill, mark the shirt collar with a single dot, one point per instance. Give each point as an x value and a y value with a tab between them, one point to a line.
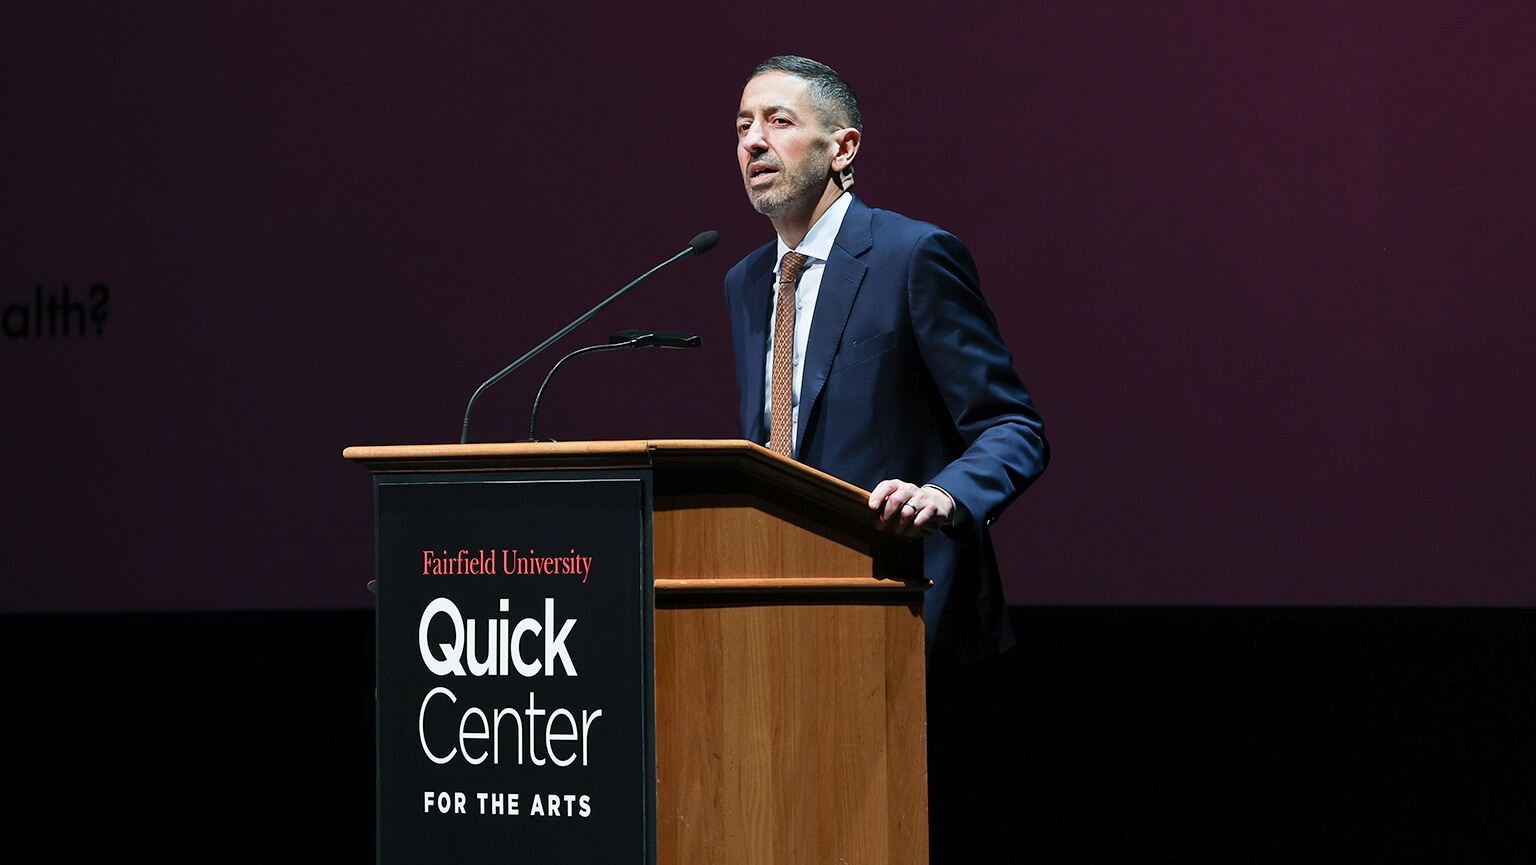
817	245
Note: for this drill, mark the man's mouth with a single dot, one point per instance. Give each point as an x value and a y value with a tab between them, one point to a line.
759	170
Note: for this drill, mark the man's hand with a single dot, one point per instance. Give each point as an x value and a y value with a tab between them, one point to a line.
910	510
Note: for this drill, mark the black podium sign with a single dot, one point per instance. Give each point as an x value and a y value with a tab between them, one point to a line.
514	669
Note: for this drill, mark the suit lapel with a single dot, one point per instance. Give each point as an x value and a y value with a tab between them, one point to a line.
756	296
839	286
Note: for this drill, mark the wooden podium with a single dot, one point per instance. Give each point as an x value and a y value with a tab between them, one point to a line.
790	719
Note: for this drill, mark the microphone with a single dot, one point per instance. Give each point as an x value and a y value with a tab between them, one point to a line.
660	338
622	339
701	244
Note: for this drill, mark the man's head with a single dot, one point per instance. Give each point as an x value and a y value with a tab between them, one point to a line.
797	133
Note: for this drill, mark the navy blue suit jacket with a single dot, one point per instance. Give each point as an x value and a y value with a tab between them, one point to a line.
906	376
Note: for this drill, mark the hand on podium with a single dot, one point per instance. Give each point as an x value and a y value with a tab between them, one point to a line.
909	510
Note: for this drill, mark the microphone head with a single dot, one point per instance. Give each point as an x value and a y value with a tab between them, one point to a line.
704	242
656	338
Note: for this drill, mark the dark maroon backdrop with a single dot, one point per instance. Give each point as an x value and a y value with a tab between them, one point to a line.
1266	267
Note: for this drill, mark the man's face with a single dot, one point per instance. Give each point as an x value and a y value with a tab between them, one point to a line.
784	152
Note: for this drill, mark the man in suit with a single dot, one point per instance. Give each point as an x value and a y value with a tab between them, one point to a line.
864	348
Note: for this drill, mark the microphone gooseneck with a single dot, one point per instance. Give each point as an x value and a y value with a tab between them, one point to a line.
698	246
622	339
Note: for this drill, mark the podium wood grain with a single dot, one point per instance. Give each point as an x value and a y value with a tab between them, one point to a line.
790	716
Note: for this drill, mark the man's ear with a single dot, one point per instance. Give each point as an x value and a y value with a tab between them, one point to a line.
846	146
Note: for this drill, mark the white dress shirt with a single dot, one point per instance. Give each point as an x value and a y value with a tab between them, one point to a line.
817	247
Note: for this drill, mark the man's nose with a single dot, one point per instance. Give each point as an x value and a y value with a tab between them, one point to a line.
752	140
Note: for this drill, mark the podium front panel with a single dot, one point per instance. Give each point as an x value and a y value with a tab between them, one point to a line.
515	665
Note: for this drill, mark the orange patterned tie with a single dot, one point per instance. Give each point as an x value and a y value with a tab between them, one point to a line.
781	436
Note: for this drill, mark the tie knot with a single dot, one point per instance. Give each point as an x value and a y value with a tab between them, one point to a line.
789	269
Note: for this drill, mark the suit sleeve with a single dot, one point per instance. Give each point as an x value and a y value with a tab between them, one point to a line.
1001	439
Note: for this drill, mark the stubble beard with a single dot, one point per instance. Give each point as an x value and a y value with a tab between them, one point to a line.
792	189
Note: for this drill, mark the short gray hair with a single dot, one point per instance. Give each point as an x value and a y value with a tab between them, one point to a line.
833	99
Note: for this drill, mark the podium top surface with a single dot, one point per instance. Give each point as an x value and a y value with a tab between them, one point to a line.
737	455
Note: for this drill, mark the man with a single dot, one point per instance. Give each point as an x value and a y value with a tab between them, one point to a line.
878	362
